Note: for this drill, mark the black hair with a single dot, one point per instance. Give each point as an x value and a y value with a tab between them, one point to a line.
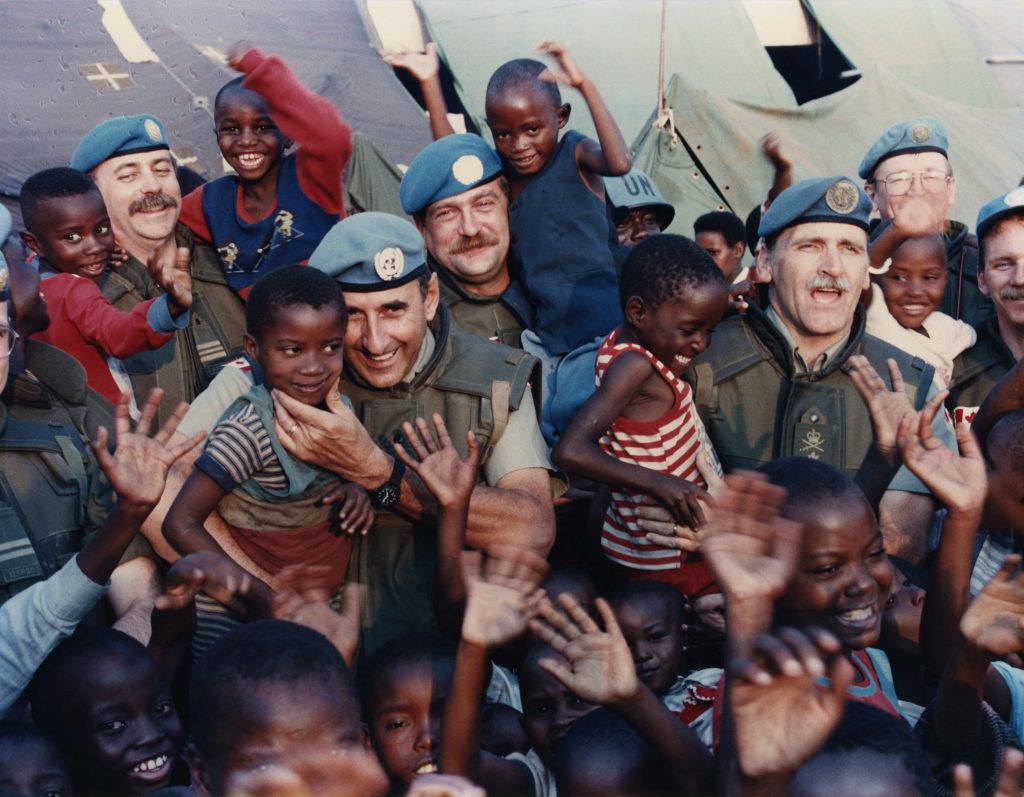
722	221
48	184
935	239
1007	436
1017	214
914	574
20	731
631	590
808	480
265	651
522	72
865	727
750	226
57	673
231	87
601	747
287	286
665	268
417	647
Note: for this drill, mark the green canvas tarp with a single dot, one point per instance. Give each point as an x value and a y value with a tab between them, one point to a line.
716	162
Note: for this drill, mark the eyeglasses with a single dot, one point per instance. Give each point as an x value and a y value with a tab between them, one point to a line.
898	183
8	337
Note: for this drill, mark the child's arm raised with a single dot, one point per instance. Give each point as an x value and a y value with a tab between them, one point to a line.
451	481
578	452
601	670
426	68
610	157
302	598
497	587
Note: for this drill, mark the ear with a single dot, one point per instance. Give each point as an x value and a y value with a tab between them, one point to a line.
252	347
869	189
635	311
563	115
367	739
763	266
32	243
951	191
433	298
983	279
739	249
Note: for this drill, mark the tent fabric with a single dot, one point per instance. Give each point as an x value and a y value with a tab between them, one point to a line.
997	29
919	41
616	42
372	180
718	138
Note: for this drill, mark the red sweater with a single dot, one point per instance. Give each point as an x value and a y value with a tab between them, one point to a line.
85	325
311	121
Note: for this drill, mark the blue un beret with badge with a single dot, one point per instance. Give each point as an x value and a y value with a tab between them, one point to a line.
447	167
835	199
121	136
921	134
634	190
1008	204
371	252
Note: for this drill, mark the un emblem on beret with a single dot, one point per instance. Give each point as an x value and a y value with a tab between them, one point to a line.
3	279
389	263
920	133
468	169
1011	200
841	197
152	130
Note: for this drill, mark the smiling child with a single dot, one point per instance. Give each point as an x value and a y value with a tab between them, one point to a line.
639	432
278	508
276	208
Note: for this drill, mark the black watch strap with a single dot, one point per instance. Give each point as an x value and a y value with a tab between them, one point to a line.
386	496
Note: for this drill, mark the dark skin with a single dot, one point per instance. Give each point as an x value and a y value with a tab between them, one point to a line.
633	389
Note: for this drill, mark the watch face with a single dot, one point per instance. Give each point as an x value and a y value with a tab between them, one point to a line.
386	495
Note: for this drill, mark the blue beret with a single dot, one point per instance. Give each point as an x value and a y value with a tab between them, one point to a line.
921	134
447	167
5	230
5	279
635	190
1006	205
371	252
121	136
836	199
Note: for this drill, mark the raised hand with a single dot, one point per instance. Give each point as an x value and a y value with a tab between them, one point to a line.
137	470
355	512
302	598
1009	777
204	571
781	714
423	66
498	585
771	146
994	621
569	73
444	786
887	406
960	481
449	478
178	281
237	52
600	667
915	216
752	550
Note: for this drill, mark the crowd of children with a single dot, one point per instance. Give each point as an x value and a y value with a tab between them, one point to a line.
769	645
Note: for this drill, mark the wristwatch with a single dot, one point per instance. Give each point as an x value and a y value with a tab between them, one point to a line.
386	496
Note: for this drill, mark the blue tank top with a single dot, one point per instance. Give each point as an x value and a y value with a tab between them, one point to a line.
563	238
288	235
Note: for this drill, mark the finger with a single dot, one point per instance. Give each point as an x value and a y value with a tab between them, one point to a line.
471	563
896	376
750	670
968	443
777	657
122	416
840	676
806	652
1007	568
182	448
100	451
163	434
611	625
582	622
556	669
693	502
149	410
963	782
353	599
550	636
1009	778
428	436
442	431
473	449
412	435
402	454
686	540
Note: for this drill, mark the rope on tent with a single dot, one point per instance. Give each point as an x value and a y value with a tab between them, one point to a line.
665	120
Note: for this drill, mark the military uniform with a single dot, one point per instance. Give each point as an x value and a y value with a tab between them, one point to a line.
977	370
186	365
486	316
963	299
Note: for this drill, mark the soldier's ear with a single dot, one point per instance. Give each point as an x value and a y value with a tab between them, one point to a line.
763	265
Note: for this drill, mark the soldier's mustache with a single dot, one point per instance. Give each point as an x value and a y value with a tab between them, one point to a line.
1010	293
469	244
821	282
152	202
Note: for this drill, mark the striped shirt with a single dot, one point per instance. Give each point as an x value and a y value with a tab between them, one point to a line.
240	448
669	444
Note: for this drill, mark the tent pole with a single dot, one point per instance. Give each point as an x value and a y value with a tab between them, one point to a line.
665	121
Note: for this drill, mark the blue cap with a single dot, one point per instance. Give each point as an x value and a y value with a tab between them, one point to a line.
921	134
371	252
635	190
835	199
5	230
121	136
447	167
1010	203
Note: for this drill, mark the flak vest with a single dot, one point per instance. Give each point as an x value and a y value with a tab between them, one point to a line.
474	384
978	370
756	408
184	366
44	501
486	316
247	250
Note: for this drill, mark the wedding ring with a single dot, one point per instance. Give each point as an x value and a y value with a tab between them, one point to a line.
294	429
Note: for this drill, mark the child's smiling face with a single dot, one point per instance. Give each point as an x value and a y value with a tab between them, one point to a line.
916	279
653	629
843	575
301	351
524	122
549	708
74	235
248	138
677	331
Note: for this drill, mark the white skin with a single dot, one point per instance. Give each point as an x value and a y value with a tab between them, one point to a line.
5	363
1003	278
915	163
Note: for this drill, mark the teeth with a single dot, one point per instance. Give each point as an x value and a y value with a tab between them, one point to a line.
857	615
380	357
427	769
150	764
250	159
